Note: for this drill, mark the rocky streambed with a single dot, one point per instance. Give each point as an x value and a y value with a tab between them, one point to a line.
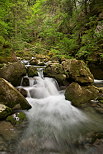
72	75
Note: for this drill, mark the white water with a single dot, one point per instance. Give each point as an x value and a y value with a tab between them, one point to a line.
98	81
54	124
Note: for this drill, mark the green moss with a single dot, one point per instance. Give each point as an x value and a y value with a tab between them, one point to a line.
17	118
22	116
4	111
101	101
11	119
1	65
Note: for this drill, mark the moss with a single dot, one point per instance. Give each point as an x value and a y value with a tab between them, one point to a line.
4	111
101	101
11	119
1	65
32	71
17	118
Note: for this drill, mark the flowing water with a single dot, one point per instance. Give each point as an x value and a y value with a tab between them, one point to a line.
55	126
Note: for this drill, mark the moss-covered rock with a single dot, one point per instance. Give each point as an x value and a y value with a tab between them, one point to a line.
4	111
78	71
10	96
54	68
42	58
13	72
79	95
17	118
22	91
56	71
33	61
32	71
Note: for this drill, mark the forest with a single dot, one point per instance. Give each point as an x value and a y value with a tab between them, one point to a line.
61	28
51	76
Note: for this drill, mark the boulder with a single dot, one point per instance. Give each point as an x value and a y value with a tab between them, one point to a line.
77	71
42	58
22	91
4	111
54	68
56	71
33	61
10	96
32	71
13	72
79	95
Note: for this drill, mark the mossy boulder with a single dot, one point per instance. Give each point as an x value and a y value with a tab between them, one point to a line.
56	71
42	58
10	96
22	91
17	118
32	71
54	68
80	95
4	111
77	71
33	61
13	72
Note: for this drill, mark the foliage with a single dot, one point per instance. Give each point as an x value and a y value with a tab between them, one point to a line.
57	28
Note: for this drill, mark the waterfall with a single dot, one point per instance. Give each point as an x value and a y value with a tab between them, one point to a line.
40	72
54	124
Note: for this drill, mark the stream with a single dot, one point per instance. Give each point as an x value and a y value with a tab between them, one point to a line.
55	126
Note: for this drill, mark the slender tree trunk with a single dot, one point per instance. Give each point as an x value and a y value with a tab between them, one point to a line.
85	7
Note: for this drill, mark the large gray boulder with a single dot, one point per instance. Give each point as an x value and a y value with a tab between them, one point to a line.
80	95
10	96
77	71
13	72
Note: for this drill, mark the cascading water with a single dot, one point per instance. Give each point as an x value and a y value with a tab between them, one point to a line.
55	126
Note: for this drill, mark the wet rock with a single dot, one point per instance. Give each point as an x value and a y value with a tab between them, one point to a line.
78	71
8	136
60	78
96	69
25	81
22	91
7	131
33	61
79	95
99	104
32	71
4	111
10	96
3	146
41	64
56	71
13	72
